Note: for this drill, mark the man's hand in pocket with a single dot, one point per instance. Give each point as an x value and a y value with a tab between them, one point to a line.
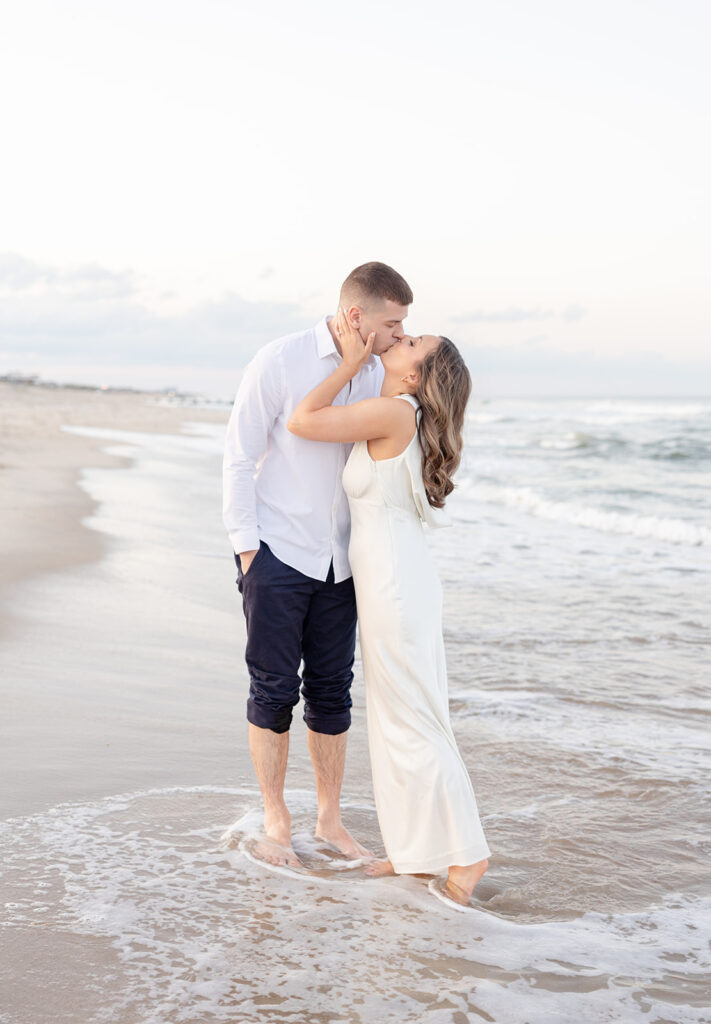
245	560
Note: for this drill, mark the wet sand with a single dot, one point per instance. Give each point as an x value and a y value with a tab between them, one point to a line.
96	698
41	504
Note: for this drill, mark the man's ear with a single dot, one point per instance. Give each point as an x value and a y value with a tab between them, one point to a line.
354	315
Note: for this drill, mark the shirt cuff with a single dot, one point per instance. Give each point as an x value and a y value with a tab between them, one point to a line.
244	540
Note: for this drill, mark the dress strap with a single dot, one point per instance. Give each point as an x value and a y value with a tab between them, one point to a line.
411	399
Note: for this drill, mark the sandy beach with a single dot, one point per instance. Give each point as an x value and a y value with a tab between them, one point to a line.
575	633
41	504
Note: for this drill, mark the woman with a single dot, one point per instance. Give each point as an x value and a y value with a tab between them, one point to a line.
408	445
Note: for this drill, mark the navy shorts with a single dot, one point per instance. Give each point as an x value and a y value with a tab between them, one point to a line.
293	618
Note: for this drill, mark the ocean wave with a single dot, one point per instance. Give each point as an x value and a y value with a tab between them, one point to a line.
673	745
691	448
675	531
573	439
676	448
611	413
484	418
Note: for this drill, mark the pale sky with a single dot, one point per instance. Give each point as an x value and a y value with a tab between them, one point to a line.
183	181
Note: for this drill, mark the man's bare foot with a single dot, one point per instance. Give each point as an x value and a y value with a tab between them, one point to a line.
274	846
277	826
461	881
271	852
380	868
343	841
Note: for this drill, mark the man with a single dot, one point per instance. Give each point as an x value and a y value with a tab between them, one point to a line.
287	517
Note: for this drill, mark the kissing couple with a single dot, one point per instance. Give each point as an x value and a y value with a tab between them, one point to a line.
341	444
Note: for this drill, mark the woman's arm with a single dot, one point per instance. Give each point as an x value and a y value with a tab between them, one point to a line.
362	421
317	420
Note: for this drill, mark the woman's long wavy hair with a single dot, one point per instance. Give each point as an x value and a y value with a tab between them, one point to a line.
443	393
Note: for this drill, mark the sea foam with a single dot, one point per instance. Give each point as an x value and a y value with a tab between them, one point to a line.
675	531
200	932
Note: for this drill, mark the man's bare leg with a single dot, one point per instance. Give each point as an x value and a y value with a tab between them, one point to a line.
269	752
328	754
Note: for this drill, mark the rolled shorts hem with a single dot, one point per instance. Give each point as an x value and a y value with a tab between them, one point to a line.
328	725
278	721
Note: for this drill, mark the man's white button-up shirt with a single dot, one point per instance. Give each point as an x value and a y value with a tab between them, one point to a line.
279	487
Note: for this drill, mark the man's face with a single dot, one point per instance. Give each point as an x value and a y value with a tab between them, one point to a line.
385	319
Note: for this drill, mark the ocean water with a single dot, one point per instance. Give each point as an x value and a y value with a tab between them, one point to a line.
577	581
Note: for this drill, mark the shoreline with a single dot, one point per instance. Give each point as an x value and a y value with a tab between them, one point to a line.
42	505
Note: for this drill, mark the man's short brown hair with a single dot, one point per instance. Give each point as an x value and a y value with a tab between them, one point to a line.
374	282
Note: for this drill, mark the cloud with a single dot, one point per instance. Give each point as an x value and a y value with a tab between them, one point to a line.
534	369
510	315
516	314
94	314
93	324
573	312
18	273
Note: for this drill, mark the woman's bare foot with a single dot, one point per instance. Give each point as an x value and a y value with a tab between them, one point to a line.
461	881
339	837
380	868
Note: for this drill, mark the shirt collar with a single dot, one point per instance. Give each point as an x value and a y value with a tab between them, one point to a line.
326	345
